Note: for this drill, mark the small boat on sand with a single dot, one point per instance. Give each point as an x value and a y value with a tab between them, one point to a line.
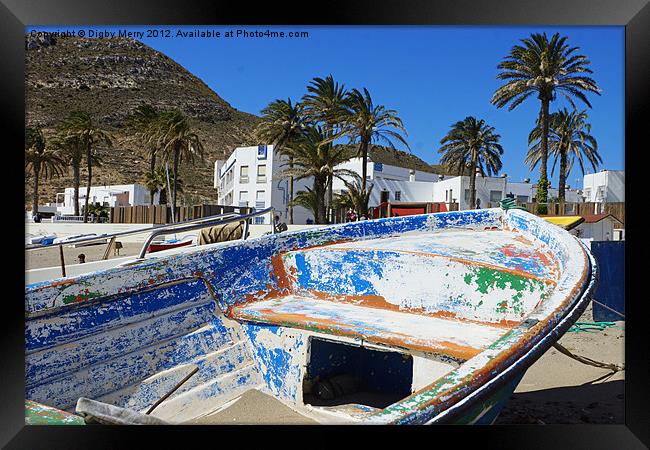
408	320
166	244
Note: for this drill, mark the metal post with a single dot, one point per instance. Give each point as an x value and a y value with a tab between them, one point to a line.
62	260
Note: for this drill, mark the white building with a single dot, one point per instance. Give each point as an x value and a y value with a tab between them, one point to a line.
249	177
115	195
606	186
598	227
489	191
525	192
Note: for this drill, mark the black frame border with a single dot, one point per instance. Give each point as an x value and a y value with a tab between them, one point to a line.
633	14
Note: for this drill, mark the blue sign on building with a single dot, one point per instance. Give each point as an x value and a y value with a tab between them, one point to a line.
379	167
261	152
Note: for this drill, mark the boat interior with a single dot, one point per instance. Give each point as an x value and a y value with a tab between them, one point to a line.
329	333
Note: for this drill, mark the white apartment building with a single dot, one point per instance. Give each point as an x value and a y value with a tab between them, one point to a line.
606	186
115	195
249	177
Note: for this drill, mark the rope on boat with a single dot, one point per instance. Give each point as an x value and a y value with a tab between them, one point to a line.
607	307
588	361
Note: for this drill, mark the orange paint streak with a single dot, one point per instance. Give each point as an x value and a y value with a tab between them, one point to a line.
281	277
340	329
379	302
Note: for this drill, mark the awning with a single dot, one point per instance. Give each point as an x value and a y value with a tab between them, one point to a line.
566	222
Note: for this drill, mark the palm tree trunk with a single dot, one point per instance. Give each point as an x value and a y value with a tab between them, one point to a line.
290	193
176	155
153	171
472	187
330	199
90	177
472	180
562	181
364	162
35	193
542	190
319	190
75	183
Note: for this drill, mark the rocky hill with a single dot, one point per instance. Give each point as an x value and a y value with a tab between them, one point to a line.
109	78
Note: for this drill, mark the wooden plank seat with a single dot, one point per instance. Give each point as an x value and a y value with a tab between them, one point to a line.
454	338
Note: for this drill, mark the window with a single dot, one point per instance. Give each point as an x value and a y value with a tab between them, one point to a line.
243	174
260	202
261	173
258	220
466	195
522	199
243	198
398	196
495	196
261	152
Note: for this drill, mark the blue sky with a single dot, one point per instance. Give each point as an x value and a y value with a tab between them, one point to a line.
432	75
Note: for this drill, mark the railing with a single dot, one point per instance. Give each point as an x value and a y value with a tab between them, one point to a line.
215	221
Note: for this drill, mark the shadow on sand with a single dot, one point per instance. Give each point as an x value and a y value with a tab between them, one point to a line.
598	401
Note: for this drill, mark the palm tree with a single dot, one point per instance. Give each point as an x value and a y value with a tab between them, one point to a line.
155	181
143	123
315	156
569	140
544	68
282	123
473	144
325	104
363	122
308	200
72	153
42	160
177	142
354	197
81	126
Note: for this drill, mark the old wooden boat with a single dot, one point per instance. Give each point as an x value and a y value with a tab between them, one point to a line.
408	320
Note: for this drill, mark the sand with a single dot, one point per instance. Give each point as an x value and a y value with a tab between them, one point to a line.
49	257
255	408
559	390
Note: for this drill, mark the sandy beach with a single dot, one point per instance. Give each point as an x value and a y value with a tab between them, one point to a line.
559	390
49	257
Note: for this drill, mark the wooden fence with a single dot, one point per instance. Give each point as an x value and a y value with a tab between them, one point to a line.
580	209
159	214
